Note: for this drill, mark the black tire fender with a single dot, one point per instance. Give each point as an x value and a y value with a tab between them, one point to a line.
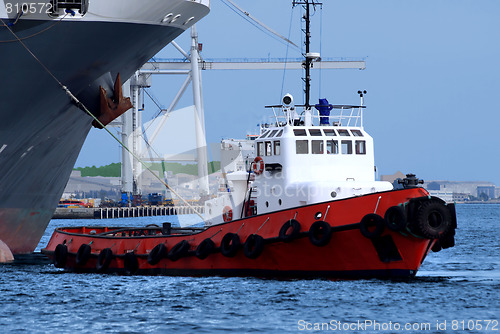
395	218
289	231
436	247
104	259
205	248
230	244
369	220
60	256
157	254
83	255
253	247
320	233
447	240
130	263
179	250
433	220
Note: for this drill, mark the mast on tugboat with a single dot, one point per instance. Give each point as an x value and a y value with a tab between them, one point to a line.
308	56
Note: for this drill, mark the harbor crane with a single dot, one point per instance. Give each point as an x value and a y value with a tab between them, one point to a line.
191	65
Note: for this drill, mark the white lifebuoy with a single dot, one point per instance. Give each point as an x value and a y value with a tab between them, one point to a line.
258	166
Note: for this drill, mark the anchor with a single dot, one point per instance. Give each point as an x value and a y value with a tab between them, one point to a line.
111	108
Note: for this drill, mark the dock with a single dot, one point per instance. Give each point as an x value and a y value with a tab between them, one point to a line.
124	212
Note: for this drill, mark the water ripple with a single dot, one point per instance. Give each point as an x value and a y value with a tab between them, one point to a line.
460	283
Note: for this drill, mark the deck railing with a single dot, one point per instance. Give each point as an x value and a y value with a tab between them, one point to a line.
340	115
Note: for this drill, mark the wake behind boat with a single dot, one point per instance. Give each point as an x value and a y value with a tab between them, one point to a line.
300	200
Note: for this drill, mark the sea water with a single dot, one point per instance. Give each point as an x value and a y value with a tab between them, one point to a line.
456	290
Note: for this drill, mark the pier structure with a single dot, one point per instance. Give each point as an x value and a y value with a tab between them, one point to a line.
124	212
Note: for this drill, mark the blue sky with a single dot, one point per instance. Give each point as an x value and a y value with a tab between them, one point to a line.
432	76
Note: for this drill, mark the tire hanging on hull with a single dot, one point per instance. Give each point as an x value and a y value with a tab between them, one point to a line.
205	248
432	219
104	260
320	233
179	250
60	256
372	219
253	247
395	218
157	254
83	255
130	263
289	231
230	244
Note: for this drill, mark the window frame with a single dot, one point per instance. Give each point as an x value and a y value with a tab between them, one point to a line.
315	132
320	149
277	144
297	146
360	147
300	132
330	132
260	148
268	148
265	134
343	133
335	146
348	147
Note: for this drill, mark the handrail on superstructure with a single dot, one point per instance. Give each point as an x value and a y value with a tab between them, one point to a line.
340	115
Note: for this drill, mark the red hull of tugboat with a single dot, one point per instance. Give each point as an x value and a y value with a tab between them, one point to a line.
347	254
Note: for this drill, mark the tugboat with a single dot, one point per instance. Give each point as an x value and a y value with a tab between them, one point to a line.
298	200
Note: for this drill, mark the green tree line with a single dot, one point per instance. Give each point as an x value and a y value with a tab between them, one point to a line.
114	169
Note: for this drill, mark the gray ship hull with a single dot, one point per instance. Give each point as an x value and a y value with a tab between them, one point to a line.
41	130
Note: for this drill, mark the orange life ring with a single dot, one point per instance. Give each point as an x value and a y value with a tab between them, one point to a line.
227	214
258	165
249	208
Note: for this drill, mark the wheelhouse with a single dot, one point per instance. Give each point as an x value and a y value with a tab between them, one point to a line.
311	156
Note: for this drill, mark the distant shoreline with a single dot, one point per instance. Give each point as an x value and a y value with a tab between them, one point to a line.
480	202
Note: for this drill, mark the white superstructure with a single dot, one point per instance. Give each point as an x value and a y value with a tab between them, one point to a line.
302	158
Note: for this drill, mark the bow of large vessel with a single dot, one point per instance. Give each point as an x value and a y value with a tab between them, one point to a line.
81	45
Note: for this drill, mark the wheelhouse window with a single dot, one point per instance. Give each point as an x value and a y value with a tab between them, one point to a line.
360	147
277	147
332	147
264	134
315	132
317	147
299	132
329	132
357	133
346	147
260	149
301	147
273	133
344	133
269	150
279	133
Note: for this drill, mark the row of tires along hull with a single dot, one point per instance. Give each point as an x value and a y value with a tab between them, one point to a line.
424	218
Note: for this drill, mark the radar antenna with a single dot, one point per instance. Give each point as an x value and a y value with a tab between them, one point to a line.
309	57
